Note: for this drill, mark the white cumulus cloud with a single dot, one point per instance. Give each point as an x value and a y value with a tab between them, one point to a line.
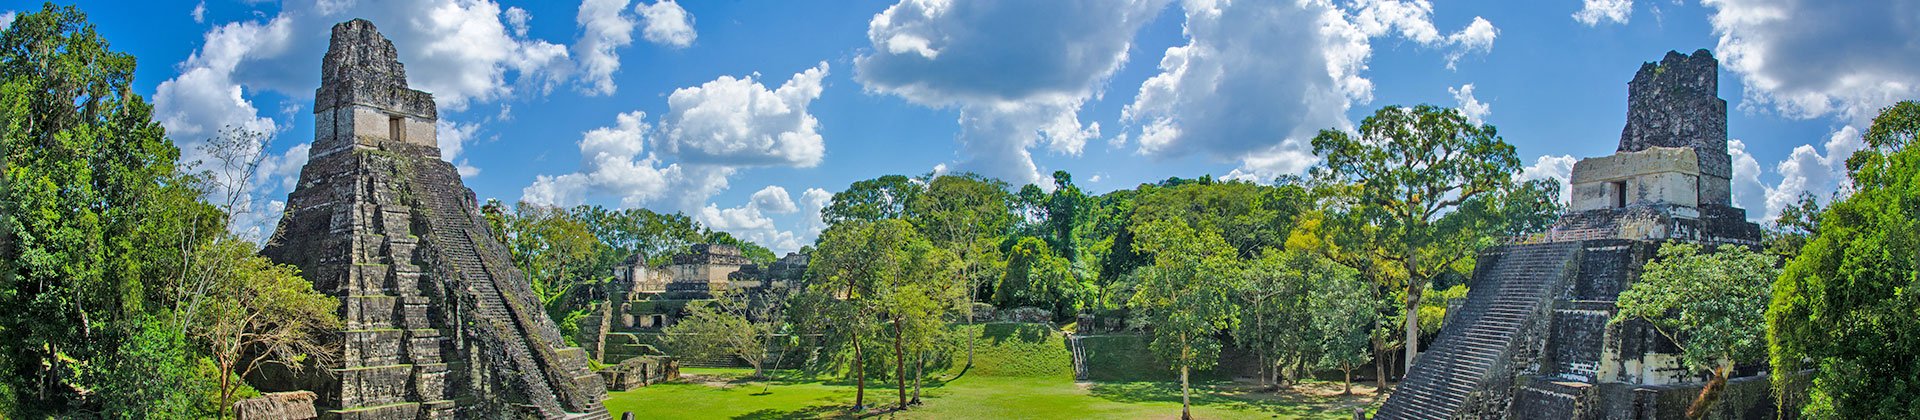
1842	61
1596	12
739	122
774	199
667	24
1557	168
1475	111
1257	80
1809	59
944	54
1413	20
711	132
604	29
750	222
1748	192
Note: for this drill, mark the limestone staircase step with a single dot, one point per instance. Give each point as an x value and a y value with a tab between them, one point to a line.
454	232
1479	337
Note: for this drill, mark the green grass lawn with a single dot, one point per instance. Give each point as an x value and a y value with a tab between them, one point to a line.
720	394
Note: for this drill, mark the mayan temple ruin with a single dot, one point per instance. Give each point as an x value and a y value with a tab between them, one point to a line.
439	323
1532	340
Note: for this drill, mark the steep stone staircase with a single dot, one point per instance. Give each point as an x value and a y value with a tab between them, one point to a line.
1476	342
461	243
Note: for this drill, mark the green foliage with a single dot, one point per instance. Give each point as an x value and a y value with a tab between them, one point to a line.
1433	307
1797	224
1187	294
886	197
255	313
1711	304
156	375
1425	190
881	276
716	329
1896	127
1038	278
1343	318
556	251
1274	297
967	214
93	218
1847	306
1248	216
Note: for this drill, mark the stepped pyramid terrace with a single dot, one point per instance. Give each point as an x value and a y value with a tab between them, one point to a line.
1532	340
439	323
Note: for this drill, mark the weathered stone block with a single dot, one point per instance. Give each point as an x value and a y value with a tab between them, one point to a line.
296	405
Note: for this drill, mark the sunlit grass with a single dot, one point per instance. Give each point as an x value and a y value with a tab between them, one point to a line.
721	394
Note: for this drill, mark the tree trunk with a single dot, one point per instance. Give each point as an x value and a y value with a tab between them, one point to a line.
226	388
919	373
1186	359
900	363
1186	403
1709	394
1259	318
1300	372
1379	370
859	375
1346	388
1415	286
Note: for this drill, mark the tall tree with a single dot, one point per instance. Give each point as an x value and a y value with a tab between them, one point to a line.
914	296
1710	304
850	265
1186	296
966	214
91	225
1845	306
1414	168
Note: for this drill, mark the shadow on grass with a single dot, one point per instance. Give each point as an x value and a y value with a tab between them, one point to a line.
834	411
1224	396
813	412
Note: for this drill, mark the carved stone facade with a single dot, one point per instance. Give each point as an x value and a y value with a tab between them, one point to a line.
439	323
1533	341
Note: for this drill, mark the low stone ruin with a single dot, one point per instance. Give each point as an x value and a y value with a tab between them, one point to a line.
644	300
639	372
295	405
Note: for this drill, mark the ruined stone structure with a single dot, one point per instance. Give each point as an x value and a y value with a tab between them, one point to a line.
1532	340
439	323
644	300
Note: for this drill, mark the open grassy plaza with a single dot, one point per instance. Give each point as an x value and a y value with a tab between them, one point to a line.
724	394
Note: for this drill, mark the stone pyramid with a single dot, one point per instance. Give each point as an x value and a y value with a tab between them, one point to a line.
439	323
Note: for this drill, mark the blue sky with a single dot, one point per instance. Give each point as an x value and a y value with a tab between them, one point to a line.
747	114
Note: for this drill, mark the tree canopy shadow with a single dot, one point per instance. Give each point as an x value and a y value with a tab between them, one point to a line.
1223	395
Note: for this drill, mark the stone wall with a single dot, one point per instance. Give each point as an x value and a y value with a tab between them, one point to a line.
296	405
